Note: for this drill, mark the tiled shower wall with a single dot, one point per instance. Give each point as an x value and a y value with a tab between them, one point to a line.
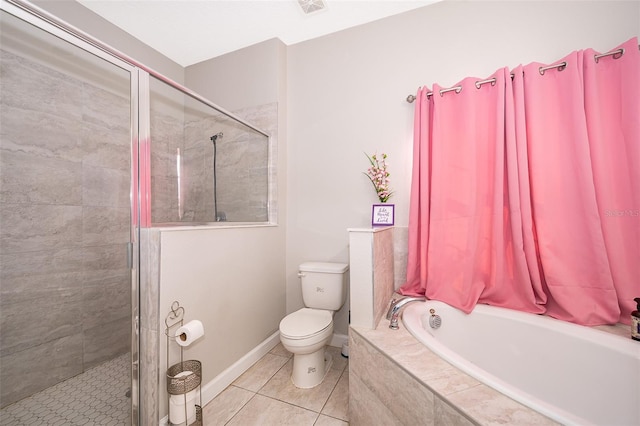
241	162
241	169
64	212
167	135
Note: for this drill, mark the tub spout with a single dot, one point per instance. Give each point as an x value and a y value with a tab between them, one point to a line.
396	305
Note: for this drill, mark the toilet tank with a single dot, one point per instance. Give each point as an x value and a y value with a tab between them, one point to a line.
324	284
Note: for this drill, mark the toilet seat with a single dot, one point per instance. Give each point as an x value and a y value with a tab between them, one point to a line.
305	323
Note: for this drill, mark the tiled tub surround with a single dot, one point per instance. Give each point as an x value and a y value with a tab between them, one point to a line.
64	211
393	378
396	380
371	273
503	348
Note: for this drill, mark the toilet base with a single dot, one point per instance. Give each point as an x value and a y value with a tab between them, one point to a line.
309	370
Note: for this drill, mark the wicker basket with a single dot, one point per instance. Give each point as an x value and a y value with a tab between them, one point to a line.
183	384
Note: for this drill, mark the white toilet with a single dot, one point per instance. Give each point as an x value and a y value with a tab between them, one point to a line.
305	332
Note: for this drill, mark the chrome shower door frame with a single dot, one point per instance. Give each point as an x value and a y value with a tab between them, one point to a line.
48	23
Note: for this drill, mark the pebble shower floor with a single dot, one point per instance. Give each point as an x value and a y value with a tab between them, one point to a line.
95	397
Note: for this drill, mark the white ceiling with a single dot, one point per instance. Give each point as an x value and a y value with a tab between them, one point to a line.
191	31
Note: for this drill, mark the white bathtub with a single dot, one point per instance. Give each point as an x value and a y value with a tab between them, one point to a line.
575	375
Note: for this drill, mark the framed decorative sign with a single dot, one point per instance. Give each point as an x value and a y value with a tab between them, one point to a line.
382	215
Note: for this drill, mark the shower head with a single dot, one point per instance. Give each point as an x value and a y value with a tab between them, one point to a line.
215	137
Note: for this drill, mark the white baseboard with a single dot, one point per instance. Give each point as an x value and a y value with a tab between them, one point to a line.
221	381
224	379
338	339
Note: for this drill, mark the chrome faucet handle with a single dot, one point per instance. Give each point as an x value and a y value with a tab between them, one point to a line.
392	305
393	324
399	303
396	305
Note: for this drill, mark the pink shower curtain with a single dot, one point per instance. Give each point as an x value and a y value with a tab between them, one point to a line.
526	193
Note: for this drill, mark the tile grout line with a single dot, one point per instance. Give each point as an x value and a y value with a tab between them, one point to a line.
331	393
273	375
305	408
332	390
63	401
243	405
260	388
343	370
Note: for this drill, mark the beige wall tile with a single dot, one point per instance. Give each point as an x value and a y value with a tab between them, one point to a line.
407	398
365	409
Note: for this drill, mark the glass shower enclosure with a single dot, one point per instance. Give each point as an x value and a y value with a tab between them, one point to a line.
95	151
67	286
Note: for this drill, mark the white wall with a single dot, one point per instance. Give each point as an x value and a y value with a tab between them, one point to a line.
247	77
229	279
347	91
243	79
230	297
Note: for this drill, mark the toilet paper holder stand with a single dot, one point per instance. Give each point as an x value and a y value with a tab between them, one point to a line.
185	376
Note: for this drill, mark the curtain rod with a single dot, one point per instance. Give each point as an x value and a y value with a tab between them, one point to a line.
560	66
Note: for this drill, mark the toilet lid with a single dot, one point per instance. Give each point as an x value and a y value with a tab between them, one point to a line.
305	322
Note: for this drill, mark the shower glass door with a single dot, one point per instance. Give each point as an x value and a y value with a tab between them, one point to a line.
68	287
207	166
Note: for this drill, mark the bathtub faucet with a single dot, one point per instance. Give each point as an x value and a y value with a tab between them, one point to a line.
396	306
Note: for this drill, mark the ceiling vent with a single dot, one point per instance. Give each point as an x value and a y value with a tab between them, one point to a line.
310	6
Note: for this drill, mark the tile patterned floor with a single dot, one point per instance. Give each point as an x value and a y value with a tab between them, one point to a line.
264	395
96	397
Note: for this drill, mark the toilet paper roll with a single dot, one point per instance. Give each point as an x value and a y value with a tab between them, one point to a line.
189	333
177	408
